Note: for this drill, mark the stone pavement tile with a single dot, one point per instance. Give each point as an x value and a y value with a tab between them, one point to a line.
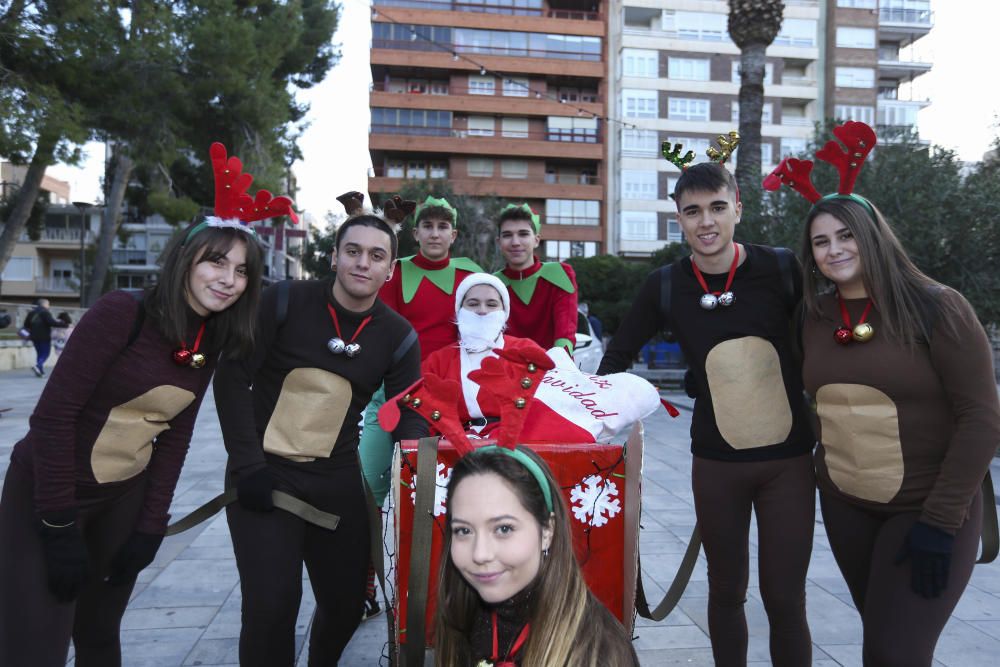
190	583
670	637
977	605
987	577
697	657
164	647
168	617
660	542
831	620
655	500
992	628
846	655
208	553
663	568
962	645
214	652
226	622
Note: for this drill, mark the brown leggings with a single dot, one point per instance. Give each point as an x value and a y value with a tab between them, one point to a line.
35	628
783	495
900	627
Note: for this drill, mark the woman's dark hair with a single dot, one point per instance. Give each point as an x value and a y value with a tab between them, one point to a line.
368	220
569	626
65	317
705	177
908	300
232	330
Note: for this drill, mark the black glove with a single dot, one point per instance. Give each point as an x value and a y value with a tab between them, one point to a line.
65	554
253	490
138	551
929	550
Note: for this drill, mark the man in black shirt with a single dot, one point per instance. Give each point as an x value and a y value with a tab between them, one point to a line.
730	307
290	418
40	324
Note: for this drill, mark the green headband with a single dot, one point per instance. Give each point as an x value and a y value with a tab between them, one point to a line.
435	202
530	464
857	199
218	222
524	208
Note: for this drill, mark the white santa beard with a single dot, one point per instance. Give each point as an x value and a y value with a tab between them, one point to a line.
478	333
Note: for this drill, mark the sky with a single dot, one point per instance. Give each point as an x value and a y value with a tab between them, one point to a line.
963	115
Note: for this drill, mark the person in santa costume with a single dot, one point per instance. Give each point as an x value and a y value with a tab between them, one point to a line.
543	295
422	289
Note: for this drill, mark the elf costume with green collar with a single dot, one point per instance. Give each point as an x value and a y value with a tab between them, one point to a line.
543	303
423	291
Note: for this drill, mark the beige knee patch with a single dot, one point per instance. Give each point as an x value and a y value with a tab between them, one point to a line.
125	444
748	393
309	414
860	436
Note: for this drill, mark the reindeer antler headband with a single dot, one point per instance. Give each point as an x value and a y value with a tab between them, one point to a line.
727	146
235	208
858	141
395	209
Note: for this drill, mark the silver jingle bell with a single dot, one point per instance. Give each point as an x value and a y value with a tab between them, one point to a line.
352	350
726	299
335	345
709	301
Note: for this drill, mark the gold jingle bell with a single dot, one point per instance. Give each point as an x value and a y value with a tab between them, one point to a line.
863	332
416	402
406	399
532	368
526	383
436	415
520	403
197	360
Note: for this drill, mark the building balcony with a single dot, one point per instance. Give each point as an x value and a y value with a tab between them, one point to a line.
515	61
893	68
460	99
56	286
513	188
555	143
506	9
57	237
904	25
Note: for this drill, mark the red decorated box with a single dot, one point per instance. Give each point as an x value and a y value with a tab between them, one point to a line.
603	516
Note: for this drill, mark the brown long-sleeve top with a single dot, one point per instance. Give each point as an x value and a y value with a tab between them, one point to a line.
903	427
113	410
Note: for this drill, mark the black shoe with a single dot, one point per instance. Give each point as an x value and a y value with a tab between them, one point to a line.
372	609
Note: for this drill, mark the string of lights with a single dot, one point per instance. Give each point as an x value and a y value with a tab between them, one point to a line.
508	79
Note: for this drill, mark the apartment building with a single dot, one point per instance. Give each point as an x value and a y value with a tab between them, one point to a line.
506	97
675	74
874	61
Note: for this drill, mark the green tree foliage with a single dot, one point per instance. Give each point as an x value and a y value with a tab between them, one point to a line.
316	259
608	284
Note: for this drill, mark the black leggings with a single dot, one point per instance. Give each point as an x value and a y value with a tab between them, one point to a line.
270	550
783	495
900	627
35	628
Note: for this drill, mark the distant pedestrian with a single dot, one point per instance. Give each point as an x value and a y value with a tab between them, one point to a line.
86	497
40	324
60	336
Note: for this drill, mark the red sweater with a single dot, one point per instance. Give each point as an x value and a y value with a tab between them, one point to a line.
542	303
422	291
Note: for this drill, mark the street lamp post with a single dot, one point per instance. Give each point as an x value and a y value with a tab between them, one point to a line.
82	206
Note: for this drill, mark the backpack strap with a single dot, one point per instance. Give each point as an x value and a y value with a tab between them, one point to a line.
140	317
281	305
404	347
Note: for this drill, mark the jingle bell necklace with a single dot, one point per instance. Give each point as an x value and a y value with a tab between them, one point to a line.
518	643
862	332
191	357
709	300
336	344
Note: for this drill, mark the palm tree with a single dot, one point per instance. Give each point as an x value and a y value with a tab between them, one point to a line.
753	25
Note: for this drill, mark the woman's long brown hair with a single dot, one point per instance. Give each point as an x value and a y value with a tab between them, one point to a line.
568	625
908	301
231	331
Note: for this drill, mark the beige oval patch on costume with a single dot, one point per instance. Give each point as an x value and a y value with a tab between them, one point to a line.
860	436
309	414
748	393
125	444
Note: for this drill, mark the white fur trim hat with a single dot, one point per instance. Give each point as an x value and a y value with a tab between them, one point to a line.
482	279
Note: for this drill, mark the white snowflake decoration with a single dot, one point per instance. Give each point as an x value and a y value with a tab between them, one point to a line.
593	500
440	489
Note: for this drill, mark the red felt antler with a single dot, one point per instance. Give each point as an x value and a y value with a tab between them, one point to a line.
231	198
859	139
436	400
796	174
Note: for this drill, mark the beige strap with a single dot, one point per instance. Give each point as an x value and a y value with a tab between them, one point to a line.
281	500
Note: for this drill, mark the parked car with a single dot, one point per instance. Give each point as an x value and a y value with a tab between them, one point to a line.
589	348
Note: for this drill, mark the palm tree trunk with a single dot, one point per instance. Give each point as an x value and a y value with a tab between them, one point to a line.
748	174
25	198
109	224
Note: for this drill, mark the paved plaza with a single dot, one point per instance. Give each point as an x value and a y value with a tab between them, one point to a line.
186	607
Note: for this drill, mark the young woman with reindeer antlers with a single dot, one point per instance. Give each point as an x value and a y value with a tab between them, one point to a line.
902	377
85	501
289	417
